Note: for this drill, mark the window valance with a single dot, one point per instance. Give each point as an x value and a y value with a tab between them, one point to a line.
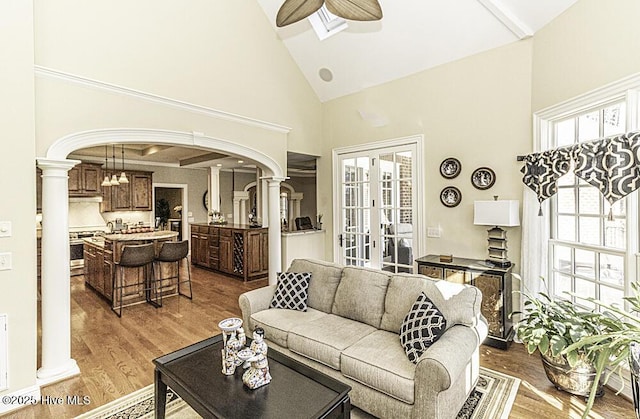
610	164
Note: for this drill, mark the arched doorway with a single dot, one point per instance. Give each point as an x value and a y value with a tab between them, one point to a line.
57	363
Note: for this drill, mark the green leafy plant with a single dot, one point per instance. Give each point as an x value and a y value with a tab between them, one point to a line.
163	211
552	325
611	347
561	331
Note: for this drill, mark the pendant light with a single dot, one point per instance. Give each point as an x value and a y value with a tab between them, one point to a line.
123	175
106	181
114	178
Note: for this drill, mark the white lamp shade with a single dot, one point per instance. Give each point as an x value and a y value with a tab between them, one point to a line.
496	213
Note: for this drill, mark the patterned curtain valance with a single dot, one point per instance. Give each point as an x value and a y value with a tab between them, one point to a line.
610	164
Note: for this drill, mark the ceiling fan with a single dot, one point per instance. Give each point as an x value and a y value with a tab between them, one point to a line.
292	11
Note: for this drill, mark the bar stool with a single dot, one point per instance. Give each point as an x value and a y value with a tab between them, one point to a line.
174	252
136	256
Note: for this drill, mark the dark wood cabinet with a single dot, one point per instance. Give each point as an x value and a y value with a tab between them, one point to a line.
93	267
85	179
141	192
133	196
226	251
258	251
494	283
121	197
236	250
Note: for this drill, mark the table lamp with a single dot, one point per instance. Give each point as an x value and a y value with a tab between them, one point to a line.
497	213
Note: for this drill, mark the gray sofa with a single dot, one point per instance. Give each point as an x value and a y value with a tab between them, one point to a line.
350	331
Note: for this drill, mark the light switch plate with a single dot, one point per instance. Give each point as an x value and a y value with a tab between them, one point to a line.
5	228
433	232
5	261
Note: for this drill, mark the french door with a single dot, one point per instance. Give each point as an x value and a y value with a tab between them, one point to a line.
376	199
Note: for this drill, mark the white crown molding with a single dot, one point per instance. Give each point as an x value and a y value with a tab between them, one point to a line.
51	73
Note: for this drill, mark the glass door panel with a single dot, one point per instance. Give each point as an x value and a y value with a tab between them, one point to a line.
396	211
356	211
376	209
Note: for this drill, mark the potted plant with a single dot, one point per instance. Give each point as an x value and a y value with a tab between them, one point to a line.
551	327
617	345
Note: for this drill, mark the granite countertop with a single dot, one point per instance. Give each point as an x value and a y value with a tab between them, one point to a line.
228	225
155	235
96	241
301	232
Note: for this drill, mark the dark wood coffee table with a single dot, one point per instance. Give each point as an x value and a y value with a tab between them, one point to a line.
296	390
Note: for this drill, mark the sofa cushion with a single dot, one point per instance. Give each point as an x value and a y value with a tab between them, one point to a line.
379	362
422	327
292	291
278	322
324	339
360	295
325	279
460	304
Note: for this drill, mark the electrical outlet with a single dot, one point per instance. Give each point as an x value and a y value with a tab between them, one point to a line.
5	261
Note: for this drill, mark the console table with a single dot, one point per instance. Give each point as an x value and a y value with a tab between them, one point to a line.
494	283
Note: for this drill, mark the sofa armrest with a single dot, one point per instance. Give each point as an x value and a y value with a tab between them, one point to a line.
255	301
445	360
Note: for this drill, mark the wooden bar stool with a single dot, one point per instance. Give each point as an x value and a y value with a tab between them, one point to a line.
174	252
136	256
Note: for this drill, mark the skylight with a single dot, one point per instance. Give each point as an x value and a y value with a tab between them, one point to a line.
326	23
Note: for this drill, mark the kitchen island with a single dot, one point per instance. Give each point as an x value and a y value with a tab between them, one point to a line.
234	249
101	255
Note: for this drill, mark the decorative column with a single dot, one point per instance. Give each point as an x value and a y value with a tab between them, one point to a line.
55	285
275	238
259	193
294	208
240	199
214	189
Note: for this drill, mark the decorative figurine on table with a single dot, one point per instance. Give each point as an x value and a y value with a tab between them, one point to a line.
258	373
233	341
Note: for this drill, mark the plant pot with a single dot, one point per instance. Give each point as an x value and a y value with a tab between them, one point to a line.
577	380
634	367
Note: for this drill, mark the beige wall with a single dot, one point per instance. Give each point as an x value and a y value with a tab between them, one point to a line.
17	179
476	110
218	54
590	45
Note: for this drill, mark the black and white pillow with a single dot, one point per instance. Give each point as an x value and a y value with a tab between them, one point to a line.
421	328
292	291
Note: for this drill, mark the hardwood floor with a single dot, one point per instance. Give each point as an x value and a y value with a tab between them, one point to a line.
114	354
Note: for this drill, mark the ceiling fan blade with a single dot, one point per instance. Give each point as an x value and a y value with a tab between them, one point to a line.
292	11
355	9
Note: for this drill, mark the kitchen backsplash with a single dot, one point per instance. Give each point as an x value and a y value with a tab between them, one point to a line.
85	214
129	217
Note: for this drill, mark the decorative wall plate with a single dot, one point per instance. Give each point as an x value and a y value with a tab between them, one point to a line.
483	178
450	196
450	168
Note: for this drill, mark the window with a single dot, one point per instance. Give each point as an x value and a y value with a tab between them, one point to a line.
589	254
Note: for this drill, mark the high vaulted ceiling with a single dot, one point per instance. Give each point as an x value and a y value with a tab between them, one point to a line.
412	36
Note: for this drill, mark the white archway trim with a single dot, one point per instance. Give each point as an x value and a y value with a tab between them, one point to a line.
51	73
64	146
282	185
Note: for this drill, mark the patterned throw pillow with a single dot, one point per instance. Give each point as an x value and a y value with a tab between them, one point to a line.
421	328
292	291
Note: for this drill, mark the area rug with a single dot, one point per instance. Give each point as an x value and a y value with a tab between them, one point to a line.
492	398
